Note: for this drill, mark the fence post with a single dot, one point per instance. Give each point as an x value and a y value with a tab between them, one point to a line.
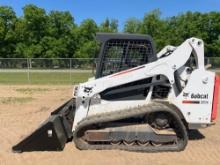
28	72
70	70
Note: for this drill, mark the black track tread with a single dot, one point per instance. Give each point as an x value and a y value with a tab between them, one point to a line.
118	115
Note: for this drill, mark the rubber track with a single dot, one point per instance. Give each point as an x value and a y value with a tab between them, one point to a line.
118	115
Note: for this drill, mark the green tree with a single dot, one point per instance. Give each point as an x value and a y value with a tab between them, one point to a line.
60	40
60	23
7	39
88	49
87	46
132	25
87	30
29	30
35	23
109	26
156	27
54	34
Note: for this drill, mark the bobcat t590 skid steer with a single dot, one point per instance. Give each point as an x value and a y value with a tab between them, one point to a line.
138	100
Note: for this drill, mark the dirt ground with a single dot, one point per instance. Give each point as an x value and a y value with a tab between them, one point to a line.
23	108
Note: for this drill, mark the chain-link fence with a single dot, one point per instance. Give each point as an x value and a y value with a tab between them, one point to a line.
215	62
45	71
55	70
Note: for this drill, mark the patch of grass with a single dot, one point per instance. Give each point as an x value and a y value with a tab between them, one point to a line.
31	90
44	78
15	100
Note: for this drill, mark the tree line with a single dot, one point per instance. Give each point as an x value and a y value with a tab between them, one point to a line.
38	34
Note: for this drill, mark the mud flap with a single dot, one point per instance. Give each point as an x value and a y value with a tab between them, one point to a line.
52	134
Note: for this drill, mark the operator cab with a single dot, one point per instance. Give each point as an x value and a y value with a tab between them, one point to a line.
123	51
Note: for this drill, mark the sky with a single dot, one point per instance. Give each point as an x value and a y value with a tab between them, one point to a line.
117	9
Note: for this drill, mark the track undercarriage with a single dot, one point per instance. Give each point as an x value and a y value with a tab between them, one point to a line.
133	130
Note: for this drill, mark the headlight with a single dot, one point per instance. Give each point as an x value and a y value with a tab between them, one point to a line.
75	90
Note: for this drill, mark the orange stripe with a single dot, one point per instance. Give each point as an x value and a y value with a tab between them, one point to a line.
127	71
190	102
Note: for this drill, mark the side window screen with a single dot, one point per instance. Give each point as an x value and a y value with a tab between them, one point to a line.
124	54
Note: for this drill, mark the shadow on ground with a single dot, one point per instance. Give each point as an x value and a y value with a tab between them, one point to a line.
195	135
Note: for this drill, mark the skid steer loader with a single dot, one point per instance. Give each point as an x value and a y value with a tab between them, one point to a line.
138	100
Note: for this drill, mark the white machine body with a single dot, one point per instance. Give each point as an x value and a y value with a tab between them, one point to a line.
194	101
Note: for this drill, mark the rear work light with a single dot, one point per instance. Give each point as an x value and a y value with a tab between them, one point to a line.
215	98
